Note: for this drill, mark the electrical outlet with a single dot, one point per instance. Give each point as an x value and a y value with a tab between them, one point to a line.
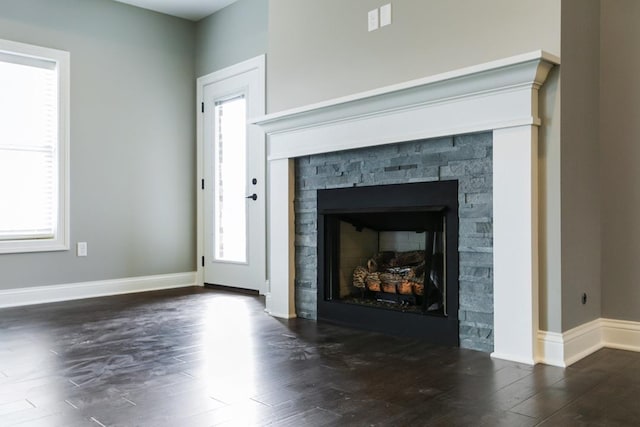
82	249
372	19
385	15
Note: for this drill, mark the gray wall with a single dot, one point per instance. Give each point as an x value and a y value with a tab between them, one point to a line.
620	152
549	208
231	35
320	50
580	153
132	139
132	128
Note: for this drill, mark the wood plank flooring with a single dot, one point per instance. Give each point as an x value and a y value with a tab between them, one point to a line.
201	357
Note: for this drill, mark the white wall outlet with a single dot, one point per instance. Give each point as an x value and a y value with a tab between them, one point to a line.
373	19
385	15
82	248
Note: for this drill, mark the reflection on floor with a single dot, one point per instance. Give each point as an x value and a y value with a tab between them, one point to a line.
199	357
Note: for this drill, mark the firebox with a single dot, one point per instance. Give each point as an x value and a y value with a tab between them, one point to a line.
388	259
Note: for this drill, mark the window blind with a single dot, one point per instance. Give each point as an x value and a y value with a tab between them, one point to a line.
28	147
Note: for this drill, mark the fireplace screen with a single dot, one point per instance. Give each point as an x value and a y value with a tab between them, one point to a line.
393	260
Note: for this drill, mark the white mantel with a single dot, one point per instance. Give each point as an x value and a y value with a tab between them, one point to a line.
499	96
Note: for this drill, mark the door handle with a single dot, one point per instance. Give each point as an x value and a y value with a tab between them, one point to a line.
253	197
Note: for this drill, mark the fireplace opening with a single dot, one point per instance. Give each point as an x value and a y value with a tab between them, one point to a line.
388	259
392	260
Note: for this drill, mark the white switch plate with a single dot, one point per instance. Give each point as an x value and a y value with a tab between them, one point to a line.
385	15
82	248
373	19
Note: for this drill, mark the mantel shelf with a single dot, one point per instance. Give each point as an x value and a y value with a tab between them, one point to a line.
493	95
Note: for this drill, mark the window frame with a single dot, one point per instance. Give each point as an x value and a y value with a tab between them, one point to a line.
61	240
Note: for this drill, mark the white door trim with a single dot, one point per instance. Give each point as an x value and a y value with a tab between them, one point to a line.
257	63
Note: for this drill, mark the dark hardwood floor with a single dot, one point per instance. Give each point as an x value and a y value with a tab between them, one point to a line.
200	357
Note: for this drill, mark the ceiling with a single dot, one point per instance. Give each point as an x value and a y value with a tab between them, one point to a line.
188	9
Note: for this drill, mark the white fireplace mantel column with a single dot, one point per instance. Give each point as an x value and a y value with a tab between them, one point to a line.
500	96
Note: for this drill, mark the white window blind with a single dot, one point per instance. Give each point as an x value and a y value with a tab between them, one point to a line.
32	141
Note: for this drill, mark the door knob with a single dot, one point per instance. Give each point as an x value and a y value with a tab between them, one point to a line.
253	197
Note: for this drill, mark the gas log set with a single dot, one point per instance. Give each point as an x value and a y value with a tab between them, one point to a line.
391	277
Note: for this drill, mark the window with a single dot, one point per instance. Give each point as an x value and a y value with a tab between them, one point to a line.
230	156
34	148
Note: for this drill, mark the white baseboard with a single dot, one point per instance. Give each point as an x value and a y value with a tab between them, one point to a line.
621	334
513	358
274	313
550	348
284	316
567	348
581	341
44	294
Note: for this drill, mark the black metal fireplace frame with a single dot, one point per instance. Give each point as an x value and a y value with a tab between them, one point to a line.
411	197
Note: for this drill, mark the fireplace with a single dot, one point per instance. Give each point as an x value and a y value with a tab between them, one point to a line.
388	259
426	182
500	97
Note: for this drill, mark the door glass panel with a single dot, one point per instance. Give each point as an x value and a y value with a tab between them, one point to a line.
230	172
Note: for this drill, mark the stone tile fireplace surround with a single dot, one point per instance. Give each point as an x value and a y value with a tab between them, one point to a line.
499	97
466	159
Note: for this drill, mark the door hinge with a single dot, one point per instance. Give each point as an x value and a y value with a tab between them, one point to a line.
203	107
203	261
202	184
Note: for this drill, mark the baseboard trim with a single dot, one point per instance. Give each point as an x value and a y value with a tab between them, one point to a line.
567	348
512	358
284	316
621	334
550	348
581	341
99	288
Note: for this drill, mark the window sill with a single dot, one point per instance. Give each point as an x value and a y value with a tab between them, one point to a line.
27	246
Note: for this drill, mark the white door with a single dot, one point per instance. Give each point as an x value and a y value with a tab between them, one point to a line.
234	176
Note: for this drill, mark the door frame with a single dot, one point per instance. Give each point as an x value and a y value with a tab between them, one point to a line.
256	63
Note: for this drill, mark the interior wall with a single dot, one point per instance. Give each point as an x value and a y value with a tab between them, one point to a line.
549	208
322	50
620	151
233	34
132	139
580	153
